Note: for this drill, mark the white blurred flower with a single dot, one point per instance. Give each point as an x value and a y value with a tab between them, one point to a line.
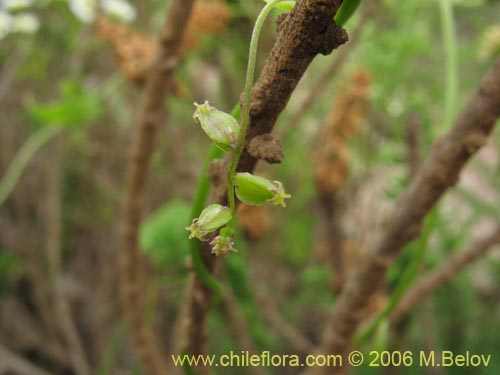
119	9
85	10
5	23
16	4
25	23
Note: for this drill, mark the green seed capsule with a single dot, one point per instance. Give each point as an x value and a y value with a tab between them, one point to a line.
212	218
257	191
221	127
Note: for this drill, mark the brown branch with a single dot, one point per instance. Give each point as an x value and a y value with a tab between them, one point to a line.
412	128
152	113
318	87
436	278
303	33
308	30
440	172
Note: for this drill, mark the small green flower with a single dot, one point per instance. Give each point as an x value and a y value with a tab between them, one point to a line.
212	218
221	127
257	191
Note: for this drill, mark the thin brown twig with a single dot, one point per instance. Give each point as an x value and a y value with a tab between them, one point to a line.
274	317
61	307
11	363
331	169
412	128
272	314
26	332
440	172
303	33
431	343
436	278
236	321
152	113
10	67
239	328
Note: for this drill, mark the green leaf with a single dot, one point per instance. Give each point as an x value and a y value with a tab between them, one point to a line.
76	107
11	270
163	234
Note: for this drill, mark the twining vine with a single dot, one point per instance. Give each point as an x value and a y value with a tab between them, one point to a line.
229	135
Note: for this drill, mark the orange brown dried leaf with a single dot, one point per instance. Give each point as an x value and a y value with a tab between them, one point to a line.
254	220
135	51
332	166
331	172
350	252
331	156
208	17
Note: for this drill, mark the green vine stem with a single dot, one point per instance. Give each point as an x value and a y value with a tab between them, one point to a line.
450	43
346	10
245	112
199	200
203	187
23	156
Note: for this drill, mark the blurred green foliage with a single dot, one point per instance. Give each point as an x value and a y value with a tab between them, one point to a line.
76	108
11	270
163	234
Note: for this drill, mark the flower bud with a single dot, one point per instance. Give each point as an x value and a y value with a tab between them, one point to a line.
221	127
256	190
213	217
223	244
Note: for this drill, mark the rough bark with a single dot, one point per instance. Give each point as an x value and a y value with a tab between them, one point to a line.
305	32
319	86
440	172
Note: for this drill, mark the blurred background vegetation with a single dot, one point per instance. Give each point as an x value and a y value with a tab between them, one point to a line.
70	86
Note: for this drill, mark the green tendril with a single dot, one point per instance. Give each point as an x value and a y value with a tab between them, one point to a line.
23	156
245	112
